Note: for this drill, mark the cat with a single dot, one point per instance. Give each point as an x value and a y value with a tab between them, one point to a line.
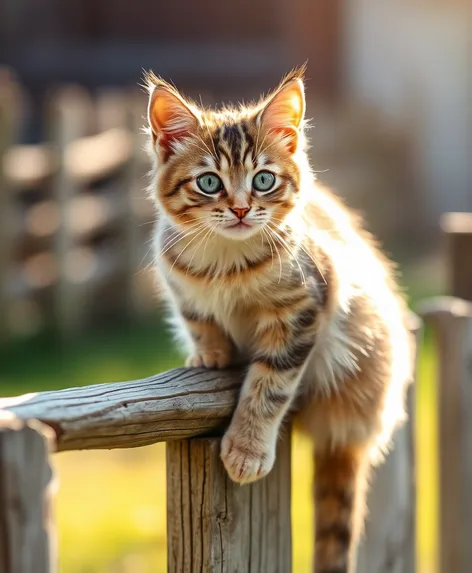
260	263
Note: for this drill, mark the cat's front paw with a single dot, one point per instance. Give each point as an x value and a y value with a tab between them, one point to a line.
246	460
217	358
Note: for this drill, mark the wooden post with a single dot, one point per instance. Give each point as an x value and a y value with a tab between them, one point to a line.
27	538
135	171
9	104
71	114
216	525
451	320
389	542
457	228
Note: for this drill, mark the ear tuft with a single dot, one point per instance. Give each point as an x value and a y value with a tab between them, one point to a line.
284	111
170	117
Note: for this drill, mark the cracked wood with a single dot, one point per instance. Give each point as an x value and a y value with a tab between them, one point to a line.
180	403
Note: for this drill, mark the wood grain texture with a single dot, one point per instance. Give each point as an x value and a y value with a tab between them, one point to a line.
27	535
215	525
451	320
388	545
181	403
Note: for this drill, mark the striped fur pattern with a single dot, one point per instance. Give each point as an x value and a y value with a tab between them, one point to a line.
285	280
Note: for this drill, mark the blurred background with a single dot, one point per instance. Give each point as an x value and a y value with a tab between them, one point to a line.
389	91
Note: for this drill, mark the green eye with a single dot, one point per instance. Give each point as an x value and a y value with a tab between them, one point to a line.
209	183
263	181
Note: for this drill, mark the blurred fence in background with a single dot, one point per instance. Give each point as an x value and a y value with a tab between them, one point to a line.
74	219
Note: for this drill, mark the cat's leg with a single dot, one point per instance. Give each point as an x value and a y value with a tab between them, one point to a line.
211	346
340	489
283	349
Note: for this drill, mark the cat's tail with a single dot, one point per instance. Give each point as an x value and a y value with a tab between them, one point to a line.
340	488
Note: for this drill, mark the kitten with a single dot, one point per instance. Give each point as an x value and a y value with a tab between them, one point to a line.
261	263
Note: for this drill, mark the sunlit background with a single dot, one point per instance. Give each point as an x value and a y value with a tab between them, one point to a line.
389	91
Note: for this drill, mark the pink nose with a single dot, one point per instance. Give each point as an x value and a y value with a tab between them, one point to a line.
241	213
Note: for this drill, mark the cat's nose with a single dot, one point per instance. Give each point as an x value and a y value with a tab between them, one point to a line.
241	213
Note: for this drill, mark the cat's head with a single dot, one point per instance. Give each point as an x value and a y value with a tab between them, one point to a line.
235	170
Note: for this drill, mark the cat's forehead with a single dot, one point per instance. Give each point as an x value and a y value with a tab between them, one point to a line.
233	135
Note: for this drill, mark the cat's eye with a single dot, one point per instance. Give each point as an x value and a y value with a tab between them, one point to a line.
263	181
209	183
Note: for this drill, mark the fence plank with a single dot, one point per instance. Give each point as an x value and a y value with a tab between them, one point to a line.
451	320
457	228
69	116
216	525
27	537
389	543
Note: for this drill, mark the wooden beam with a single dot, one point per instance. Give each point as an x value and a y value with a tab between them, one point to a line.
178	404
27	536
181	403
214	524
451	320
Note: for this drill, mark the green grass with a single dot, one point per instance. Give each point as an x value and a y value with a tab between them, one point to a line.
111	505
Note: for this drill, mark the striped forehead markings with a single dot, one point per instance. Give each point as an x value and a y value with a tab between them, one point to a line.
233	138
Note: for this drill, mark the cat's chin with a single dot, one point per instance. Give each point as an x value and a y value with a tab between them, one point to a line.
239	232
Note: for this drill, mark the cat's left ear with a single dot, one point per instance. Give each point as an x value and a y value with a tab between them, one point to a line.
284	112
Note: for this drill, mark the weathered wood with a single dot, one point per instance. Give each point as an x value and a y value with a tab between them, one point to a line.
27	535
451	320
178	404
216	525
389	539
389	542
457	228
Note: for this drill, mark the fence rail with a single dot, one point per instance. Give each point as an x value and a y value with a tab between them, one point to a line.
212	522
62	197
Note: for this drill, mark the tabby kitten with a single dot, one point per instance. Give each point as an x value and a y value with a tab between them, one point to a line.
260	263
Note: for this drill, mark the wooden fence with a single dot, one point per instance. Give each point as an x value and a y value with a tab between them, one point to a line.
72	209
214	525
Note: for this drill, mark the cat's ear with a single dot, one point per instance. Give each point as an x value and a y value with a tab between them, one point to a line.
170	117
285	110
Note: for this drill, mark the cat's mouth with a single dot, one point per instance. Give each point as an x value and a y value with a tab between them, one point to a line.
239	225
239	229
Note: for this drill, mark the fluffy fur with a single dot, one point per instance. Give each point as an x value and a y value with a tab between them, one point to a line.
286	281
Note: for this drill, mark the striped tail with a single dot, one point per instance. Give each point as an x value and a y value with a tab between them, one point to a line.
340	486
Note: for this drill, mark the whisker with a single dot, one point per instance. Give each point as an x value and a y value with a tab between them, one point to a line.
310	255
195	144
184	249
172	242
213	229
167	246
276	250
290	253
206	236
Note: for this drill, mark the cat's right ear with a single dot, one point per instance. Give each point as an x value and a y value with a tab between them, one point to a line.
170	118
